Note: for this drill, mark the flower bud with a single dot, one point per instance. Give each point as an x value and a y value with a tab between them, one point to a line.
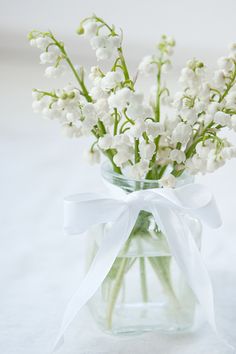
80	30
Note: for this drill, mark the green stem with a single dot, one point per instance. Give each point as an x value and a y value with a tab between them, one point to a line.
109	153
158	105
131	263
101	127
127	118
125	69
162	170
122	128
142	268
161	266
46	93
152	174
81	82
99	19
136	150
115	291
191	149
230	85
69	62
116	122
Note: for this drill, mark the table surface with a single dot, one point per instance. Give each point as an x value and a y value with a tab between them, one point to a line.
40	267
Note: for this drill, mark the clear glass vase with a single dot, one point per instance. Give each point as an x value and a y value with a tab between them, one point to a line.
144	290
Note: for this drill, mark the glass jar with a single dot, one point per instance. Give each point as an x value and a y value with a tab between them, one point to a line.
144	290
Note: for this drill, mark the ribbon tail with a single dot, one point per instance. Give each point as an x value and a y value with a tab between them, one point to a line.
188	257
109	249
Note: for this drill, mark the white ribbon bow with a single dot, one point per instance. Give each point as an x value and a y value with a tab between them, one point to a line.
168	207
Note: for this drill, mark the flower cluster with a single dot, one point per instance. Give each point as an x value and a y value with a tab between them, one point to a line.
157	136
51	53
103	43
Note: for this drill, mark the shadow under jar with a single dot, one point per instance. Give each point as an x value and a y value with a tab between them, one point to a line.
145	289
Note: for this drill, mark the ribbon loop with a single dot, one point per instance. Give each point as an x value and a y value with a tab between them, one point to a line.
78	209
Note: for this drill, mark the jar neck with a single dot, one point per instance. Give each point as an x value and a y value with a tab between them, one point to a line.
130	185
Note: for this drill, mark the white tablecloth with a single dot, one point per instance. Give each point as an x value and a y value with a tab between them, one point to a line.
40	267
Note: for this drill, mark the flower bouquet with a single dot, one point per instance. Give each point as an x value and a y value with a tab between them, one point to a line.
145	269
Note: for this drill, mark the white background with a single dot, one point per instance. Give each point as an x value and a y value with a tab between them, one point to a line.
39	267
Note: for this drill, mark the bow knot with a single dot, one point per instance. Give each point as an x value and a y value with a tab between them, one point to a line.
138	201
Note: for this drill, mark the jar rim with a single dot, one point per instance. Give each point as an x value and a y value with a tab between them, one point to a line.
108	173
107	170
